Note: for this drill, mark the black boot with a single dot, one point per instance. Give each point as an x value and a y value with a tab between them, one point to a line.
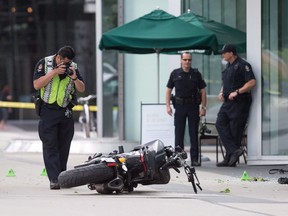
195	163
234	157
54	185
224	163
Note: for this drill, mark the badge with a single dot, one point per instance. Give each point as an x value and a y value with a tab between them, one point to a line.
247	68
40	67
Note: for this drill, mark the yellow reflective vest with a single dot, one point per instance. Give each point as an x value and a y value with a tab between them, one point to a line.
57	90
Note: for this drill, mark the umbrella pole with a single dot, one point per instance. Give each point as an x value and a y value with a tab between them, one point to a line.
158	71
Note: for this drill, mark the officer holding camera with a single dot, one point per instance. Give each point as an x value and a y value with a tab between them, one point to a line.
189	94
238	80
57	79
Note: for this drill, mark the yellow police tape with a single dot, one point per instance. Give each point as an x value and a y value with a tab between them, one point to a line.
22	105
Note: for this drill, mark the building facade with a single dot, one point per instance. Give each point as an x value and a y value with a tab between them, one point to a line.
30	30
265	23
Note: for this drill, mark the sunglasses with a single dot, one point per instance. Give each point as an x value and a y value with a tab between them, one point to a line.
187	59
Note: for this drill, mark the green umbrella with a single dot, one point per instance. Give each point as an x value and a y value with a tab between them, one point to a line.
157	32
224	33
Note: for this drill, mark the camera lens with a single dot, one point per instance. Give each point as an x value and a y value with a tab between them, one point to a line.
69	72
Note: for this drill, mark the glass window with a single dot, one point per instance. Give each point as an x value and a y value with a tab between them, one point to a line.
110	73
31	30
274	77
231	13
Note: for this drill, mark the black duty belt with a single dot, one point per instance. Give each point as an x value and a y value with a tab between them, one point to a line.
53	106
183	101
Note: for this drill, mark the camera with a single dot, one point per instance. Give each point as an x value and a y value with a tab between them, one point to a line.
68	71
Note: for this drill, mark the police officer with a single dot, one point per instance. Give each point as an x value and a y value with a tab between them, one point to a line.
189	94
238	80
57	78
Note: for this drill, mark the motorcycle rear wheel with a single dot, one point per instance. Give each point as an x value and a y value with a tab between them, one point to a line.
95	173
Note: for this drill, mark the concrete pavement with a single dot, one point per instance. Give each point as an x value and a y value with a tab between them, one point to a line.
22	136
27	193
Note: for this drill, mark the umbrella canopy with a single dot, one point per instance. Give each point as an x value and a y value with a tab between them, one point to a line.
224	33
157	32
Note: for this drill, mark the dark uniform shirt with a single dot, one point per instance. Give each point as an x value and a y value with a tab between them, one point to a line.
236	75
186	84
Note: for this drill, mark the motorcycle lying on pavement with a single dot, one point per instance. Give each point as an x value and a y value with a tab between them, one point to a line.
121	172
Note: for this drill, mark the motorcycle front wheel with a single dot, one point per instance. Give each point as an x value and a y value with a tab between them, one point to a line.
95	173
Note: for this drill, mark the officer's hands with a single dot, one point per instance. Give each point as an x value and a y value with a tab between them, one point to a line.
60	68
72	76
202	112
232	95
221	97
169	110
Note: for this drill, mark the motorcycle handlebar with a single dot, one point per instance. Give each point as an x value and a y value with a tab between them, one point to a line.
191	174
177	159
174	162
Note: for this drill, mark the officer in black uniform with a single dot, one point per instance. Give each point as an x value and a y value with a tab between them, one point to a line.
57	78
238	80
189	94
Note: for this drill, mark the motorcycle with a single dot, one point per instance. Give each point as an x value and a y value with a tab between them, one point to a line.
121	172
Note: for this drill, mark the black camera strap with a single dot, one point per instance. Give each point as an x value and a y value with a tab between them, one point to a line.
274	171
281	180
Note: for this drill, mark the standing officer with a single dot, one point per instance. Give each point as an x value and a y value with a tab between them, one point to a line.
57	78
189	94
238	79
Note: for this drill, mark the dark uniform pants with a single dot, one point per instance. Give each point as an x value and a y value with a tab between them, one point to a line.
56	132
230	123
182	112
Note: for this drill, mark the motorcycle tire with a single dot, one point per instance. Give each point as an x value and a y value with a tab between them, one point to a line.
95	173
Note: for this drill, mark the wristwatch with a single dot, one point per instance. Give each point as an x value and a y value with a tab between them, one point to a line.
203	107
237	91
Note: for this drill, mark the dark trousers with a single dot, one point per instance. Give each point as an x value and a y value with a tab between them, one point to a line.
56	132
190	112
230	123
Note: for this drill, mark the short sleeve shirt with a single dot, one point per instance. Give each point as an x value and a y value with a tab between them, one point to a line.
236	75
186	84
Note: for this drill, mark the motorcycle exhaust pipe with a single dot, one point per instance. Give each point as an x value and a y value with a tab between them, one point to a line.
115	184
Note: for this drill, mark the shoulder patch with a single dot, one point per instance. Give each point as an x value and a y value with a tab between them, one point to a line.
247	68
40	67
